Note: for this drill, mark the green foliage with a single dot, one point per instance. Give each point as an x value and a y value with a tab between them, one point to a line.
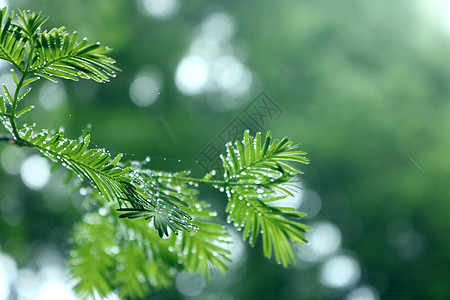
51	53
137	259
117	249
257	173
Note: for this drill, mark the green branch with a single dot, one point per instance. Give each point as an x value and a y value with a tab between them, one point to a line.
126	255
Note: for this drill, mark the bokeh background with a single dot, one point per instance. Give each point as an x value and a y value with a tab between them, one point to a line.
362	85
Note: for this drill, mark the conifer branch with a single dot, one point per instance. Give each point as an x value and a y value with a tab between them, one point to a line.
117	250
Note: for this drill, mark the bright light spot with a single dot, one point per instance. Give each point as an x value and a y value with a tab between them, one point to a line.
190	284
237	249
145	89
35	172
192	75
6	78
27	284
324	240
438	10
111	296
340	272
4	285
52	95
363	293
161	9
11	159
212	65
311	203
291	201
3	3
8	273
55	290
231	75
49	283
218	26
209	49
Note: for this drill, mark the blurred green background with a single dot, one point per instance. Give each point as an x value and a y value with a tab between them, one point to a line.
362	85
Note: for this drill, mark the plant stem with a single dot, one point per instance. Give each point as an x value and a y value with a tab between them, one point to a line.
12	116
197	180
202	181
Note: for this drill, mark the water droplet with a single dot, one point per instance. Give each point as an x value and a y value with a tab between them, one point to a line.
84	191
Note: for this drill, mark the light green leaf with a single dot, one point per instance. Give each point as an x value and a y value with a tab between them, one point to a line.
257	172
26	109
2	105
